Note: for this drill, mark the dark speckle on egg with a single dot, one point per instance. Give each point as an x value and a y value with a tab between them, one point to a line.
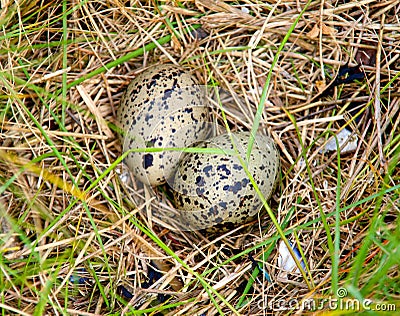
147	161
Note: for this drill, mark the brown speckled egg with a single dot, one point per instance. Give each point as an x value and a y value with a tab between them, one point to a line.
213	189
163	107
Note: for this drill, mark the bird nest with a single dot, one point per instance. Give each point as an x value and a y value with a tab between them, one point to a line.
78	231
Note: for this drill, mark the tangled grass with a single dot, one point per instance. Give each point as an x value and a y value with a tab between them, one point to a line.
77	241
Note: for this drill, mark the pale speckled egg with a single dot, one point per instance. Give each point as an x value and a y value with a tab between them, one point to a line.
163	107
214	189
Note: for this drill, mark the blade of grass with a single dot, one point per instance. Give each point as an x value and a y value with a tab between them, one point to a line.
64	60
261	105
72	189
255	186
274	220
336	254
265	256
16	30
209	289
39	92
82	196
42	131
123	59
157	309
322	214
376	224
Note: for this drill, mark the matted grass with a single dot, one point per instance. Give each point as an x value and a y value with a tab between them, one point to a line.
76	241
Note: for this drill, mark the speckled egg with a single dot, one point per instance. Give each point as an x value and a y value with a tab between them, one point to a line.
163	107
214	189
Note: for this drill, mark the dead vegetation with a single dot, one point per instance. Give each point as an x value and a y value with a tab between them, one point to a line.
76	241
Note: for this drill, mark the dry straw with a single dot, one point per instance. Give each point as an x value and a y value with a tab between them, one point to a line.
66	218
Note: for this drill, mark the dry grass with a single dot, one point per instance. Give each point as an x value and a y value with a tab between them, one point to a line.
65	213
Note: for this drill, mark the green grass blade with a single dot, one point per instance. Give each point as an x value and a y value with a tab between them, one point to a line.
260	108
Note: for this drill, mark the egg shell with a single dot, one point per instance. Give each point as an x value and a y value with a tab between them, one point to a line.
163	107
214	189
